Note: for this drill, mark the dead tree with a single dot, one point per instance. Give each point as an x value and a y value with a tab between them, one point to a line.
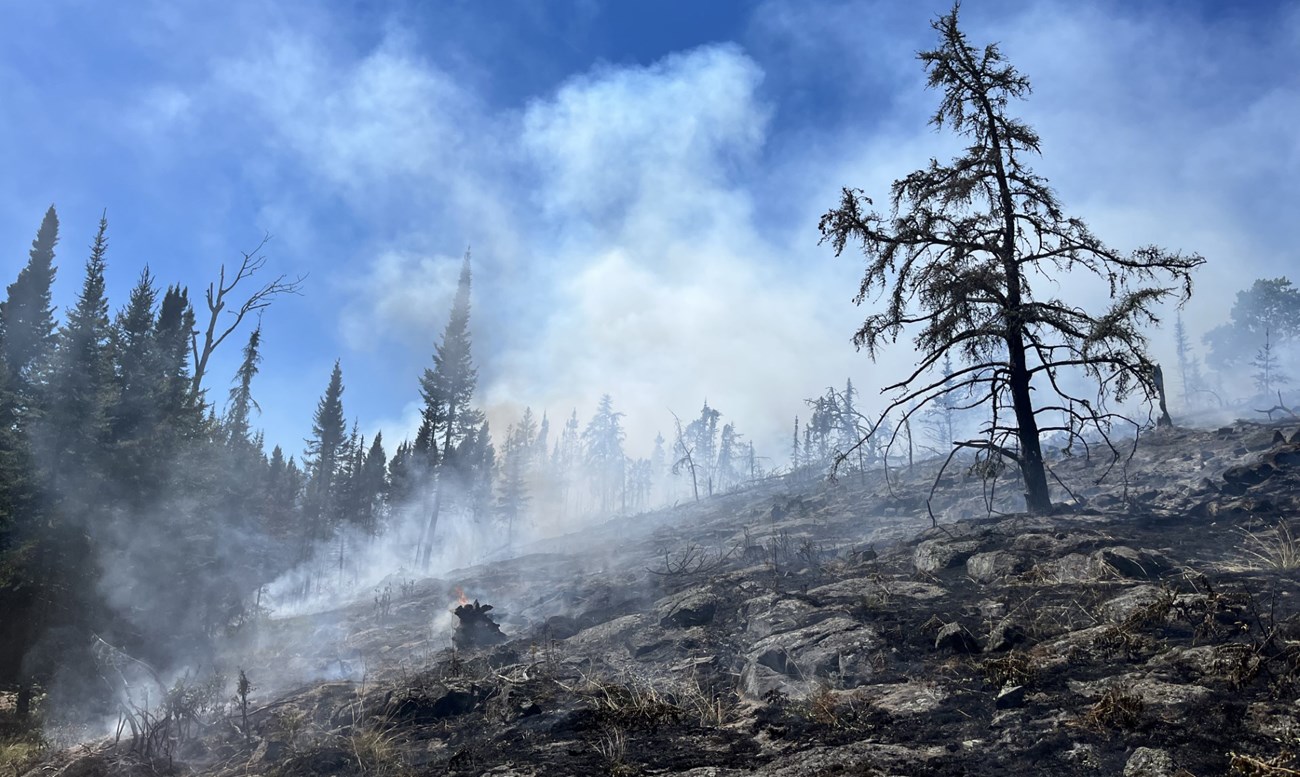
687	459
954	259
218	299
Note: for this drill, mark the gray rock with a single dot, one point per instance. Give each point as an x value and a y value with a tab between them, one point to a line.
693	608
900	699
937	554
1070	568
773	614
1130	603
956	638
1249	474
836	648
1011	697
1133	564
995	565
1005	635
1149	762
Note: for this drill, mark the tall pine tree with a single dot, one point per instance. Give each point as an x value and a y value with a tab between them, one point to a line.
448	419
324	461
27	317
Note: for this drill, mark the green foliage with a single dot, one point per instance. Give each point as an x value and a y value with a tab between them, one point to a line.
448	387
27	317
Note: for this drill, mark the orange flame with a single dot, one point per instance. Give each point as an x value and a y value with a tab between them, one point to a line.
460	595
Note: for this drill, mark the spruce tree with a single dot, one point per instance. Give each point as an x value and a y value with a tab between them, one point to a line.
603	440
448	420
513	498
83	379
324	459
241	405
448	387
27	324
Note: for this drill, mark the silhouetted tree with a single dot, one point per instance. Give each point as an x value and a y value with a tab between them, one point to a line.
218	298
240	407
955	257
603	443
1270	305
27	325
1268	373
448	419
324	460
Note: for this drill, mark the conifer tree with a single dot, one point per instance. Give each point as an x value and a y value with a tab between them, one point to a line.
83	387
448	387
325	459
955	256
27	328
603	441
513	497
1268	373
241	405
180	408
374	484
448	419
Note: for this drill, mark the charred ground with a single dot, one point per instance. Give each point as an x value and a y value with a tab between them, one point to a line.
1149	628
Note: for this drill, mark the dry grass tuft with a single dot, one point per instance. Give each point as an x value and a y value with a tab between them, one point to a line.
1277	548
1282	765
1115	709
1011	669
612	748
376	752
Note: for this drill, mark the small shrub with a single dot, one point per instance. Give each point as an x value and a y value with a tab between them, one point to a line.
1011	669
1115	709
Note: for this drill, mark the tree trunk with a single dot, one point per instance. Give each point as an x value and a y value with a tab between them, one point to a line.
23	704
1038	499
426	553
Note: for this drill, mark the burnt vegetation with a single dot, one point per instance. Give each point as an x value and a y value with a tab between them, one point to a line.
176	599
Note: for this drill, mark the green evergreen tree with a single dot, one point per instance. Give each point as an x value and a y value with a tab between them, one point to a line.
448	387
27	328
241	405
83	385
448	419
324	460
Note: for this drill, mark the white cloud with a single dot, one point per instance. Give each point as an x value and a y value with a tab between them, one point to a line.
644	230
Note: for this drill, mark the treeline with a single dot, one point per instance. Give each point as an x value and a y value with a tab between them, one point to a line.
139	509
131	510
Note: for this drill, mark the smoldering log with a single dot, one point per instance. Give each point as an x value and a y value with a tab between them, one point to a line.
475	628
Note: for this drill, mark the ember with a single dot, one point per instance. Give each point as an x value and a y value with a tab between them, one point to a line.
475	629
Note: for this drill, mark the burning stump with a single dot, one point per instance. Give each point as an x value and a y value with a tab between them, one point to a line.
475	629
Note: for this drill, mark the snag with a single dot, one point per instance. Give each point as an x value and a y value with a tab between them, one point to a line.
474	628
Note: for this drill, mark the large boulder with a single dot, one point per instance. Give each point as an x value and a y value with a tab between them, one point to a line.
837	649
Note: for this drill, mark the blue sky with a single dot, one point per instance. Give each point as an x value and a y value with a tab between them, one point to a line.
640	182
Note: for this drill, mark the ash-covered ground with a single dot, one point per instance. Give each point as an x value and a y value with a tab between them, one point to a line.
1148	628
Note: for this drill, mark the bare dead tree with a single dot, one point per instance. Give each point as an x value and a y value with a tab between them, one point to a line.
687	459
954	260
218	299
